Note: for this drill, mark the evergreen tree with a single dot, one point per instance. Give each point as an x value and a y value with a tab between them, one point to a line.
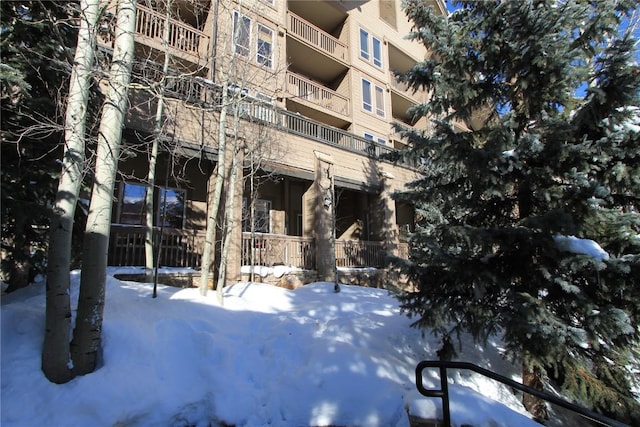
33	73
510	206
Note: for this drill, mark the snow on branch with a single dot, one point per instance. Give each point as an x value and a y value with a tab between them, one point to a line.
576	245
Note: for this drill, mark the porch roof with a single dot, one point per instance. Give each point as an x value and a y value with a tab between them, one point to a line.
352	184
308	175
288	170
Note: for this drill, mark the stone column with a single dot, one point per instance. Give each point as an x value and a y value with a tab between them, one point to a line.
324	217
384	213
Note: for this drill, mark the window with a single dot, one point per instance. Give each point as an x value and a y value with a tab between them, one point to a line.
366	95
377	139
370	45
132	203
377	52
241	34
368	98
171	209
371	149
364	44
379	101
170	204
262	219
265	46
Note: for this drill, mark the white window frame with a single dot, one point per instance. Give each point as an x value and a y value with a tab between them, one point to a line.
379	102
371	48
377	59
239	49
377	139
364	44
263	60
375	105
367	100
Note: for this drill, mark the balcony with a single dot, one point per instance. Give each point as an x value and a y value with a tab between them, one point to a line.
184	41
317	38
403	89
199	91
307	91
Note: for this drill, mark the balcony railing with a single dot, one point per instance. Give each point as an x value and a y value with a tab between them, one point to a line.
359	253
182	37
406	90
278	249
302	88
316	37
183	248
200	91
179	248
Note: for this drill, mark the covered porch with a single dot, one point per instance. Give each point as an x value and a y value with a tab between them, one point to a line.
183	248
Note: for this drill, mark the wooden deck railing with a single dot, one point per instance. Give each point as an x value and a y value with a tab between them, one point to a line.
302	88
359	253
182	37
197	90
183	248
405	89
201	91
180	248
317	37
278	249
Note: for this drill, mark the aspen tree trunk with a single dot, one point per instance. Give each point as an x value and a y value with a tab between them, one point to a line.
153	159
56	357
214	196
87	333
229	213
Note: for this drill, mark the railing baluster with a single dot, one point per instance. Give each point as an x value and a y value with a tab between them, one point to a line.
317	37
183	37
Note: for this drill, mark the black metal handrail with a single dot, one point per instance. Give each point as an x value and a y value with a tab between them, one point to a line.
443	392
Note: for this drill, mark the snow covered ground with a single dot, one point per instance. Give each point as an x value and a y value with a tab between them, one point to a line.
268	357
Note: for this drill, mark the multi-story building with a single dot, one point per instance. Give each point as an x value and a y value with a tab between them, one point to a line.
310	102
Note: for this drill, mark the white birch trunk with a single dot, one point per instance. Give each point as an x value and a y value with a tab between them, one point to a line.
214	196
87	333
56	357
230	220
